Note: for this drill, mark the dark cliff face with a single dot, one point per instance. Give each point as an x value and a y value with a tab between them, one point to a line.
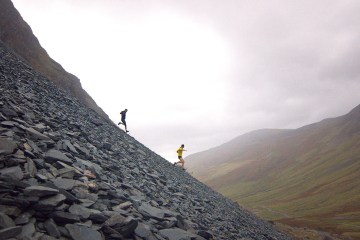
66	173
17	34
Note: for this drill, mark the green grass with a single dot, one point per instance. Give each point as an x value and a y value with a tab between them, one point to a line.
320	185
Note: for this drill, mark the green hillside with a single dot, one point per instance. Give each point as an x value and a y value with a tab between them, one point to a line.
308	177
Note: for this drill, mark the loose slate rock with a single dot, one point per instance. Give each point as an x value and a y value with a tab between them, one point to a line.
178	234
78	232
6	221
65	217
7	146
153	212
27	231
14	173
24	218
81	211
98	217
35	135
205	234
11	232
55	155
10	210
127	227
64	183
50	202
51	228
40	191
143	231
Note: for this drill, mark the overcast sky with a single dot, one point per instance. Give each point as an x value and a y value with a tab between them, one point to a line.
202	72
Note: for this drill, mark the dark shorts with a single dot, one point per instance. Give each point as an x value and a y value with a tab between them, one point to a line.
180	157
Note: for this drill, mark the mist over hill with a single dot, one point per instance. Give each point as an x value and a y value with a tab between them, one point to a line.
307	177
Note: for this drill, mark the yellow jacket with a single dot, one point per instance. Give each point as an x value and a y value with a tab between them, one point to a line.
180	151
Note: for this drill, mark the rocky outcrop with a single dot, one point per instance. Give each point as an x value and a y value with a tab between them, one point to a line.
17	34
66	173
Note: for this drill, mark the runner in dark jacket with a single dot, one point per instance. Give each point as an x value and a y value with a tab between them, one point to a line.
123	119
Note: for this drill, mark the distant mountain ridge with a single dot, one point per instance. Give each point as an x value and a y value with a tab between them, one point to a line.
17	35
309	176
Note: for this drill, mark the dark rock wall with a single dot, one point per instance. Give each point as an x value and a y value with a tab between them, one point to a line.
17	34
66	173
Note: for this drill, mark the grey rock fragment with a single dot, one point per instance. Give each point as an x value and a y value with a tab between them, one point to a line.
179	234
159	214
6	221
24	217
143	231
8	124
65	217
98	218
7	146
205	234
12	211
126	228
63	183
68	144
40	191
27	231
30	167
78	232
11	232
40	127
79	210
51	228
50	203
124	205
35	135
55	155
14	173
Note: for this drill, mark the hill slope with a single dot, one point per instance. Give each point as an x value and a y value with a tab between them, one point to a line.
17	34
305	177
66	173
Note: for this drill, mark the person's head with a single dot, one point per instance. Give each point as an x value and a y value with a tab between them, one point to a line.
125	110
182	145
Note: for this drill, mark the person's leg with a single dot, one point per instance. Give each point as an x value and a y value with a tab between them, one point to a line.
178	161
124	122
182	162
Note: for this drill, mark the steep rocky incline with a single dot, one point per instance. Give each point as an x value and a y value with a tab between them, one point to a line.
17	34
65	173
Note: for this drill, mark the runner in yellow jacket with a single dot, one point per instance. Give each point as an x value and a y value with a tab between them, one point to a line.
180	152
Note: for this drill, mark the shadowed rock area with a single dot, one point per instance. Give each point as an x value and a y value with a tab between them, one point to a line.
17	34
66	173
